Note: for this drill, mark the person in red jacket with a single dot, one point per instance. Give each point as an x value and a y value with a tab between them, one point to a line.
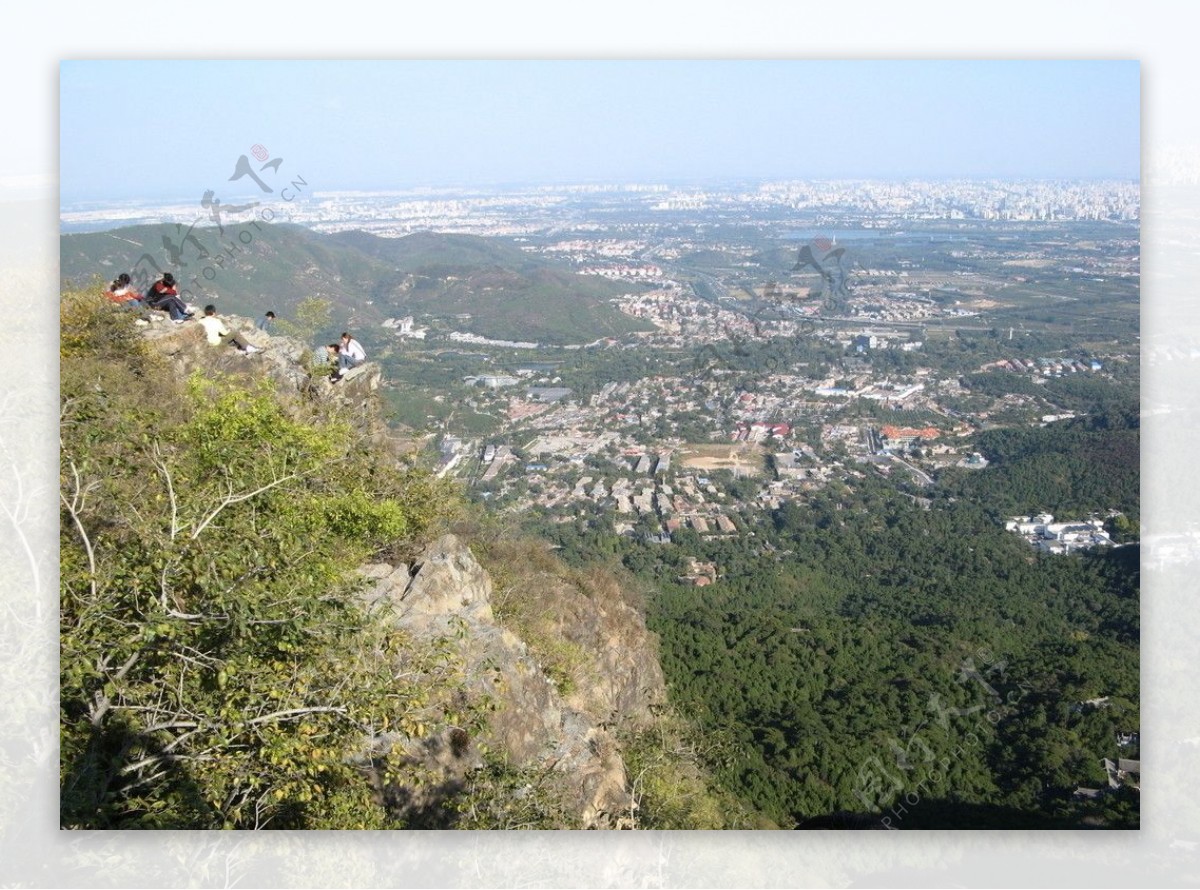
164	296
122	293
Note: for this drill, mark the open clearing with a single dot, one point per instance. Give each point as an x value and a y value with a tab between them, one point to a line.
742	459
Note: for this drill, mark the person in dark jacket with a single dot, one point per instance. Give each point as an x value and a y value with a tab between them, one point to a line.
164	296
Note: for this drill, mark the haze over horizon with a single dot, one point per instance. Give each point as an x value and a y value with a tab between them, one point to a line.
376	126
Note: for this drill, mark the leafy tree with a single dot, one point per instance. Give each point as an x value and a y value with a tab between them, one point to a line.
314	315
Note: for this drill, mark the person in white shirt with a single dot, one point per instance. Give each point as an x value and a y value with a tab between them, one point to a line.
350	355
216	331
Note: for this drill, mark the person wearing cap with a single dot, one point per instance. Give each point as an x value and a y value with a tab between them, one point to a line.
165	297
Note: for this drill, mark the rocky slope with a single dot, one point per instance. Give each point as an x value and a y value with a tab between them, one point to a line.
556	726
446	594
283	360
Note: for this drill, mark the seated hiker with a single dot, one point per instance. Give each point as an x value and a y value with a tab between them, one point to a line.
216	331
165	297
266	322
122	292
334	351
350	354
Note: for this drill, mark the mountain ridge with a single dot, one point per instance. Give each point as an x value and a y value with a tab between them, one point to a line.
507	293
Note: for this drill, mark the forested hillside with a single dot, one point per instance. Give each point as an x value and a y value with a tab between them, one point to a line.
1069	468
860	651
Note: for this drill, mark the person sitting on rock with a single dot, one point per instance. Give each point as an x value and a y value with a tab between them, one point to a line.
163	296
350	355
216	331
334	351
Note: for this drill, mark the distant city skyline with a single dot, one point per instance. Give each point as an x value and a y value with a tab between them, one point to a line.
873	204
155	130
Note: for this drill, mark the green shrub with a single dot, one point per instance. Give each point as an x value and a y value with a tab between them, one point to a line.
216	669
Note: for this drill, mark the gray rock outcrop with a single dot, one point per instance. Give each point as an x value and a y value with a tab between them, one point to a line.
284	360
447	594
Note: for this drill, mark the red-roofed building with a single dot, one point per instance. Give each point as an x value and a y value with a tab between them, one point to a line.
774	429
904	435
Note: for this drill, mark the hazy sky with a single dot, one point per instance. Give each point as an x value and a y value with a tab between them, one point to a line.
161	129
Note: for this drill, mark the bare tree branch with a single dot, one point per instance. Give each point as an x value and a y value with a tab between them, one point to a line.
162	468
160	758
295	712
16	508
75	506
231	499
102	704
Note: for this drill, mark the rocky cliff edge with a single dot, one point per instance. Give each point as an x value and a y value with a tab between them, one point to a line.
446	594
